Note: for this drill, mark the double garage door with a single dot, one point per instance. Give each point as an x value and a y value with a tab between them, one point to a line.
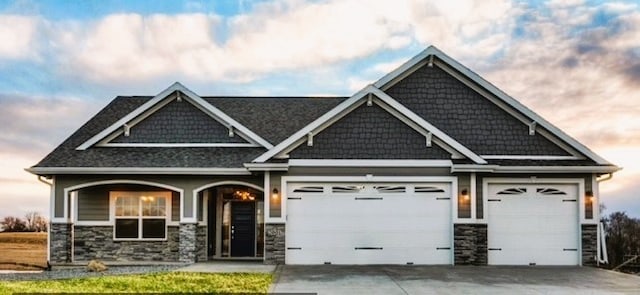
367	223
411	223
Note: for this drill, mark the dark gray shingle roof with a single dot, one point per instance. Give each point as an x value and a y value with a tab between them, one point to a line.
272	118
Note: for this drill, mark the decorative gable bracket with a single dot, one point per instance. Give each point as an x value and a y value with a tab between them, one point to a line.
154	104
386	102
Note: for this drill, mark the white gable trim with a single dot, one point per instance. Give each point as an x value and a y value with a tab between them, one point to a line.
390	105
369	163
223	144
200	103
137	170
532	169
414	63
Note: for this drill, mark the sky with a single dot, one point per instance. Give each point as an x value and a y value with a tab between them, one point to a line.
575	62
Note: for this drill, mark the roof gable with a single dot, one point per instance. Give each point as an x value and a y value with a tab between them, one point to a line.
434	57
369	132
176	92
177	122
470	118
371	95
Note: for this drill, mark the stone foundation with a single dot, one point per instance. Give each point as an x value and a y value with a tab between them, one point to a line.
96	242
274	243
201	246
589	244
187	248
470	244
60	242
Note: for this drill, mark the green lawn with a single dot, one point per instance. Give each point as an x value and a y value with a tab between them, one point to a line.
172	282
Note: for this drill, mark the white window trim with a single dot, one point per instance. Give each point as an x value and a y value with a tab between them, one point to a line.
112	214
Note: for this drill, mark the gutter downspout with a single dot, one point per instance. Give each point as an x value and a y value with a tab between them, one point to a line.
50	184
602	255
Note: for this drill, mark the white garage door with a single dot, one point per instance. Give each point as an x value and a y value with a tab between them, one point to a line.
533	224
368	223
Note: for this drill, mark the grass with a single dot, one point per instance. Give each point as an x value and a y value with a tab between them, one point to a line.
172	282
26	248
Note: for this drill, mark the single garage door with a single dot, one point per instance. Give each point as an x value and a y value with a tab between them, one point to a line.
368	223
533	224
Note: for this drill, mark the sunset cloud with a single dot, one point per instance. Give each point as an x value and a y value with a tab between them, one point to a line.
575	62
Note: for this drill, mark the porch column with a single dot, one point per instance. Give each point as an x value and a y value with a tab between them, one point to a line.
187	248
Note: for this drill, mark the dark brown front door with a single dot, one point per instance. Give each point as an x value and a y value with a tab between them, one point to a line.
243	229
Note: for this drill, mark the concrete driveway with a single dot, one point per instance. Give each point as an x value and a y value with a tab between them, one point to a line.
332	279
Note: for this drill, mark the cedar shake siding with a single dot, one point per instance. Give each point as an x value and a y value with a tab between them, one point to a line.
179	122
369	132
467	116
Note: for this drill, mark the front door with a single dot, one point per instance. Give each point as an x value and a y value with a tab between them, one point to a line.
243	226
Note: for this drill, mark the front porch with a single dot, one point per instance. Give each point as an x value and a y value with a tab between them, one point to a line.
157	220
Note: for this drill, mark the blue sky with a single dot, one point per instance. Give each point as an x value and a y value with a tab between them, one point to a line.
575	62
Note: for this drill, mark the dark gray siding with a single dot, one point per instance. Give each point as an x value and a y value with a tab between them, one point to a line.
93	205
179	122
369	132
175	206
466	116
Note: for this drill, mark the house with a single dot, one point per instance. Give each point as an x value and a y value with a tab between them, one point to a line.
431	164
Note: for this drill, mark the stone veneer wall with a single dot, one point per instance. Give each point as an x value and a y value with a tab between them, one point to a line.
274	243
96	242
60	236
470	244
201	246
589	244
187	248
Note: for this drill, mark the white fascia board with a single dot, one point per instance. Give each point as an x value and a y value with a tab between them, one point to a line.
532	169
267	166
137	170
426	125
313	125
519	106
368	163
407	66
528	157
161	96
141	109
224	117
432	50
174	145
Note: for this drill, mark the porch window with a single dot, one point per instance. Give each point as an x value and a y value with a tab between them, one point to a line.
141	215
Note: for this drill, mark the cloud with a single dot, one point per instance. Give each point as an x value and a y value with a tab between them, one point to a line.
35	125
18	35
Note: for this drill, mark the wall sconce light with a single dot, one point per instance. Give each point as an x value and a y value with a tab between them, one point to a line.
275	194
465	194
589	195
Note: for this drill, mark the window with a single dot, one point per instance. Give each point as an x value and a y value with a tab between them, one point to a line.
513	191
141	215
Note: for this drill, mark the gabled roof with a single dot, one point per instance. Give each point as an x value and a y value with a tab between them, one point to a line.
349	105
65	158
427	57
211	110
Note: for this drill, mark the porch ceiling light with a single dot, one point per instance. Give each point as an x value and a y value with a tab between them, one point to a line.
275	194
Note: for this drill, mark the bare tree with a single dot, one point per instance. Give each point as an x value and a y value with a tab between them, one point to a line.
623	237
13	224
34	222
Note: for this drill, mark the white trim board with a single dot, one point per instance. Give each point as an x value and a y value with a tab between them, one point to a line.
530	169
200	103
388	80
175	145
369	163
137	170
388	104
